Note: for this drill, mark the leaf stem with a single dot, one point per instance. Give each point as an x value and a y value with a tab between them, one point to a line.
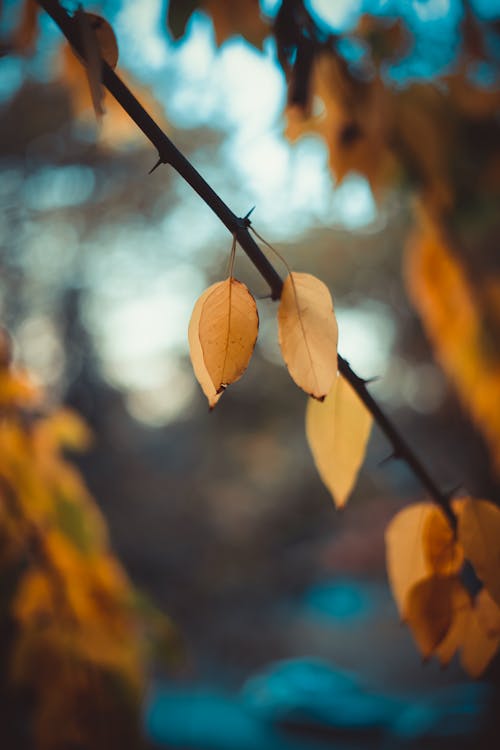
239	228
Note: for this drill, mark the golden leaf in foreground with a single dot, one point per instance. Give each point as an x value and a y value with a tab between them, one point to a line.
417	546
482	636
337	430
227	330
196	352
461	605
441	552
429	610
479	534
475	630
308	333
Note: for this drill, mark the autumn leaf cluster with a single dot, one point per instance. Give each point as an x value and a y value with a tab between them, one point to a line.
425	558
73	633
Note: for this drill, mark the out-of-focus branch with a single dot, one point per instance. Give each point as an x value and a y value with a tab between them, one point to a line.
238	227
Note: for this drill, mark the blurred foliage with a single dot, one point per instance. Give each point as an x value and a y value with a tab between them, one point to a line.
73	635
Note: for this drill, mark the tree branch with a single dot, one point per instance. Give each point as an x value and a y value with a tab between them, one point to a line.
239	227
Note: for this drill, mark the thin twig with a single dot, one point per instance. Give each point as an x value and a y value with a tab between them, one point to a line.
239	228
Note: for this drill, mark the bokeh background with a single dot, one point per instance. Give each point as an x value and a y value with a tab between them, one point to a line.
290	635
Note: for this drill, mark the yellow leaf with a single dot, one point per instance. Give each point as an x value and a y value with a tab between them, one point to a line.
237	17
482	638
92	57
462	322
27	31
308	333
196	352
105	37
441	551
429	610
228	331
461	613
418	546
479	534
337	430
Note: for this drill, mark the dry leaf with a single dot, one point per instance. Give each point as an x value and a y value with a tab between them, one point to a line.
479	534
441	551
482	637
99	43
462	324
117	129
429	610
337	430
461	612
228	329
308	333
106	39
237	17
418	546
196	352
26	33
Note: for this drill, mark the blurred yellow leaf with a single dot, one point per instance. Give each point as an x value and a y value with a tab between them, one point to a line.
17	390
454	318
27	30
461	606
228	328
417	546
482	636
479	534
352	116
237	17
117	129
337	430
308	333
442	554
105	37
196	352
429	610
99	41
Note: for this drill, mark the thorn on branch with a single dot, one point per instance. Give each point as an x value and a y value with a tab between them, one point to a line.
158	163
246	219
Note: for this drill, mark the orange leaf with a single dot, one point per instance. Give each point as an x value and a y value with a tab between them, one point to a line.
441	551
406	561
482	638
479	534
196	352
228	329
337	430
429	610
308	333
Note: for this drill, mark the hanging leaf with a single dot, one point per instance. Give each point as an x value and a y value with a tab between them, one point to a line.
26	33
442	554
228	329
461	612
417	546
482	637
196	352
308	333
429	610
99	42
237	17
178	14
337	430
479	534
